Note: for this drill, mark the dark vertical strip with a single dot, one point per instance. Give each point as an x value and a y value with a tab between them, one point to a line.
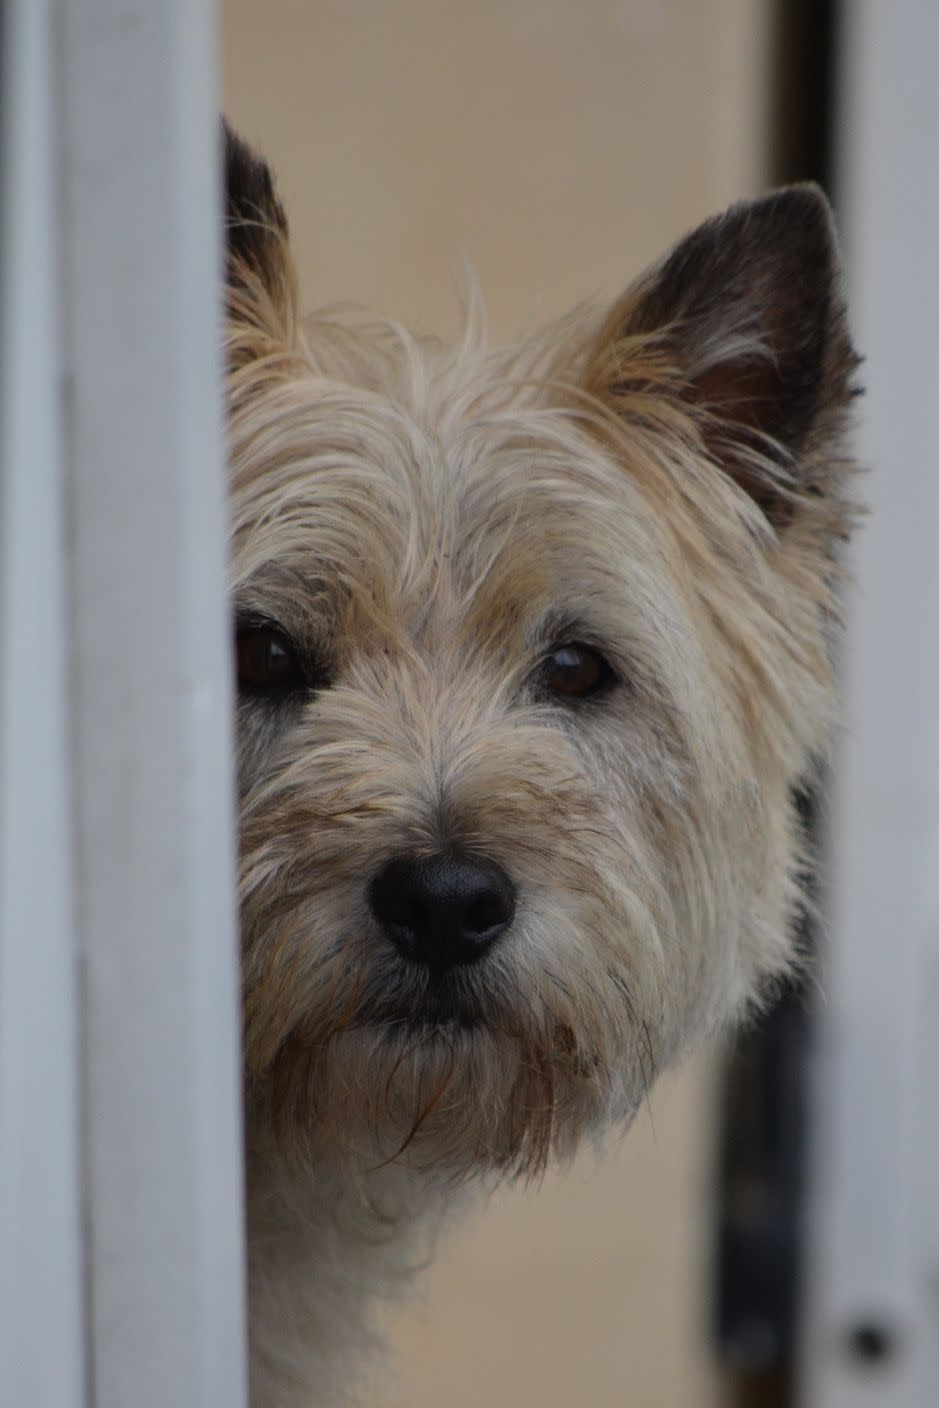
803	87
761	1157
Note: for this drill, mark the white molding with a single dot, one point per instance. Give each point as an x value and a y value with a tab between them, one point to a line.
41	1357
152	747
874	1243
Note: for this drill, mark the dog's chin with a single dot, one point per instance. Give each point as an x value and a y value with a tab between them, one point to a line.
441	1010
437	1087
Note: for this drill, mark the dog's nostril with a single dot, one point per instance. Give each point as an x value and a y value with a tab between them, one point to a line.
418	915
442	910
483	914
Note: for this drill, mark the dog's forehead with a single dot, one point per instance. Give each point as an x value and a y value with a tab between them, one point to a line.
434	513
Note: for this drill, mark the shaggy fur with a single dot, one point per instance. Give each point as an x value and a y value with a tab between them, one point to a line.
661	481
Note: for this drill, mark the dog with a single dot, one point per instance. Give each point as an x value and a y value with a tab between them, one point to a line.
534	651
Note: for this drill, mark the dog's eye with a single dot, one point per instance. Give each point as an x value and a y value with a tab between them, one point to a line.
267	662
575	671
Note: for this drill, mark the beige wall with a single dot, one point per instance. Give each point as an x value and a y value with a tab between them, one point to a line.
559	146
587	1293
558	143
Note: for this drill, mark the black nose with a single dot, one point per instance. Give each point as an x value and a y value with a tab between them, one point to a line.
443	910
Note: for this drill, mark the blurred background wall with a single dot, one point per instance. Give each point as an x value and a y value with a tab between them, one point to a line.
559	146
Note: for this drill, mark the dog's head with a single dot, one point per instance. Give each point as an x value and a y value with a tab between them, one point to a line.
532	652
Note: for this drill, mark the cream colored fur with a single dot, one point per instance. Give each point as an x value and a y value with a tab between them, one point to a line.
425	522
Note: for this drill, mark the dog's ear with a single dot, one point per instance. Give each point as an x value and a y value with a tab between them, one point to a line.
259	273
743	321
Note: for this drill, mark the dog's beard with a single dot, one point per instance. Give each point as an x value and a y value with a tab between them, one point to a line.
489	1067
501	1064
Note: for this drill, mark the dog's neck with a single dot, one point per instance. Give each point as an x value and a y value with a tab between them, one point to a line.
326	1247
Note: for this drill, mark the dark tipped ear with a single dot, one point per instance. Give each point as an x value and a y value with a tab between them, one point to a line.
744	321
257	259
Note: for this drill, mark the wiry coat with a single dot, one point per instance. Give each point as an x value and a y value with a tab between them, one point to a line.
662	482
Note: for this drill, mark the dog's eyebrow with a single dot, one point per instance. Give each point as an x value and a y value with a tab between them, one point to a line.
279	587
302	606
556	626
283	575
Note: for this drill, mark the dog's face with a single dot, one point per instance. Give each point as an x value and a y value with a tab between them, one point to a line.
531	652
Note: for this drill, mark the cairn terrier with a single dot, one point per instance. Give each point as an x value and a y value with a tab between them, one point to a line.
534	649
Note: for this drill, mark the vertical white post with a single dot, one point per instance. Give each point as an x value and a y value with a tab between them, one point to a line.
151	729
41	1362
872	1325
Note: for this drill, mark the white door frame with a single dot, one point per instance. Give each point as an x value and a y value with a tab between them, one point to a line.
41	1286
871	1333
119	1063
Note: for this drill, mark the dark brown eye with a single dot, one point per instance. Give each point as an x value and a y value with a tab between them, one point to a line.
575	671
267	663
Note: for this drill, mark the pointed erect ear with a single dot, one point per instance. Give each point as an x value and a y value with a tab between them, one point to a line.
258	268
743	322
